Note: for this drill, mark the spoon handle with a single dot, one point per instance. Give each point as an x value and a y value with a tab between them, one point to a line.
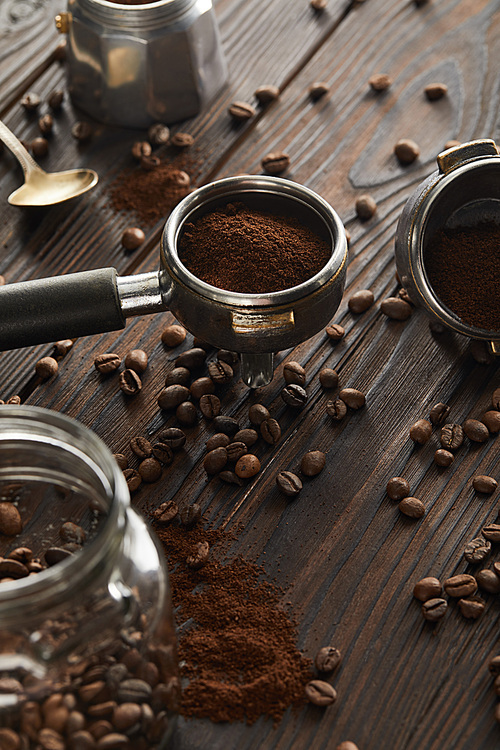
26	161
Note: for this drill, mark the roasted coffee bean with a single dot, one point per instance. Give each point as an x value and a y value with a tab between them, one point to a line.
21	554
460	585
434	609
412	507
62	347
492	532
220	371
46	124
471	608
158	134
10	520
150	470
293	372
318	5
403	294
434	91
190	515
427	588
126	716
178	376
121	460
163	453
199	556
72	532
150	163
231	478
182	140
406	151
39	146
275	162
476	431
181	178
236	450
327	659
166	512
352	397
219	440
320	693
30	101
49	739
173	395
380	82
201	387
257	413
141	446
193	359
312	463
347	745
247	436
452	436
54	555
14	400
132	238
443	458
270	430
360	300
247	466
210	405
492	421
215	460
494	665
365	206
241	111
266	94
46	367
134	691
328	378
133	479
477	550
174	437
130	382
13	569
486	485
82	131
421	431
294	395
336	409
186	414
231	358
335	332
228	425
487	580
438	413
107	363
318	89
395	308
288	483
141	149
397	488
9	740
173	335
495	399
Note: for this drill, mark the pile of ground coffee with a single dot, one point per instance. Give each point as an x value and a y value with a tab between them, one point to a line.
462	266
238	651
251	251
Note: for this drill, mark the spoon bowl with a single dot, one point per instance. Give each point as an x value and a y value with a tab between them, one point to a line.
44	188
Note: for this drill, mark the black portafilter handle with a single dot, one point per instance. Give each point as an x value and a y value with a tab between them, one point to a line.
60	307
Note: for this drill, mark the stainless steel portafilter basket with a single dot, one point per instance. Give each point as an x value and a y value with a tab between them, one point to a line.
254	325
464	191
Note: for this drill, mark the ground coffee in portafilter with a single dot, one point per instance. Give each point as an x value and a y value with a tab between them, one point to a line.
462	265
246	250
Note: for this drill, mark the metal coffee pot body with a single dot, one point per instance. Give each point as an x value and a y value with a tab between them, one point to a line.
132	65
254	325
464	191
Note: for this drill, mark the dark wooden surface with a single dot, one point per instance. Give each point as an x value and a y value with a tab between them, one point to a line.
346	557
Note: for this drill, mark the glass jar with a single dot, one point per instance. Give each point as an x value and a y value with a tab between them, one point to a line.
87	639
133	65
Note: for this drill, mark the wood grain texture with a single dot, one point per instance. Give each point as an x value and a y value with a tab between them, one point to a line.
345	555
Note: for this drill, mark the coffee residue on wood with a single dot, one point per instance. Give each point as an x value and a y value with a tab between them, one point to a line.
237	646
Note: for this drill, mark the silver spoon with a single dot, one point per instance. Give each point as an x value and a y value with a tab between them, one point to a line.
44	188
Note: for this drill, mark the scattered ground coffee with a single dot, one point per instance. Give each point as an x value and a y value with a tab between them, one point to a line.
251	251
462	266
